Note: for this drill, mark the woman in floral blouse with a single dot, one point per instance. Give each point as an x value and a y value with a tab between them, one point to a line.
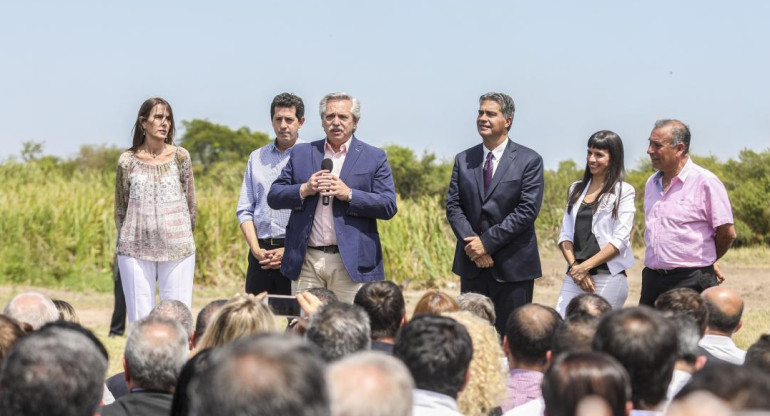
155	213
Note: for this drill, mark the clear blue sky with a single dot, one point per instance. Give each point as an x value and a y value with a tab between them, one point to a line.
75	72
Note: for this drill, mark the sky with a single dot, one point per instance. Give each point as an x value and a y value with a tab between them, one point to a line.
76	72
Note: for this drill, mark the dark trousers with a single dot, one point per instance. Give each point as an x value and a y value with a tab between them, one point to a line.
656	282
259	280
118	321
506	296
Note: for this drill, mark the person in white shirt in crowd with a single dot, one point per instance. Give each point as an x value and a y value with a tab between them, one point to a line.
725	311
596	229
437	351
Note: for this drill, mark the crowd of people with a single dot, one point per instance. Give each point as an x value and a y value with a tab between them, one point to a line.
308	213
372	357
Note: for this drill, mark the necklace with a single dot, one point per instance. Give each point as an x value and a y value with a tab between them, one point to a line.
153	155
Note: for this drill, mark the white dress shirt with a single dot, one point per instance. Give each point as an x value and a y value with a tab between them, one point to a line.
723	348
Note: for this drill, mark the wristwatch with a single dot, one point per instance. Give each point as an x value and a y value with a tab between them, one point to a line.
350	195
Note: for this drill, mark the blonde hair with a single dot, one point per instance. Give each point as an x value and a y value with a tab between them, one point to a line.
435	302
241	316
486	386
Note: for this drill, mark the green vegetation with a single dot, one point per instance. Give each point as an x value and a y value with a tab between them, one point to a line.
57	227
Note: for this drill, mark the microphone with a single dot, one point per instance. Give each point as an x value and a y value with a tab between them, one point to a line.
326	164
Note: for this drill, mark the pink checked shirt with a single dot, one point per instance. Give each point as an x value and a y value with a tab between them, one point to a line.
681	222
323	233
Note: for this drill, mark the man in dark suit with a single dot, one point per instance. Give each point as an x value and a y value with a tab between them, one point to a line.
494	197
331	238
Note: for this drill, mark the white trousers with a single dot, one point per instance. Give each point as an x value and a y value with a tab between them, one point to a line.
613	288
175	281
321	269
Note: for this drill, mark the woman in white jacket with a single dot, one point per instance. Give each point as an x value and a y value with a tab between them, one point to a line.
596	230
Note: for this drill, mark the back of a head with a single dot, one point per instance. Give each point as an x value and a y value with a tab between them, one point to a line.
687	301
588	304
479	305
176	311
10	333
645	343
33	308
435	302
156	350
687	337
529	331
437	351
384	303
370	383
576	333
240	317
744	388
180	406
205	315
576	375
323	294
725	309
264	375
54	371
758	354
339	329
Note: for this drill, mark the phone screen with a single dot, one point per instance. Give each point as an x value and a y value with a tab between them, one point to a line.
283	305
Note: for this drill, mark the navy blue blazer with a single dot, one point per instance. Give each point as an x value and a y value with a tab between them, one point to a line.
504	218
367	173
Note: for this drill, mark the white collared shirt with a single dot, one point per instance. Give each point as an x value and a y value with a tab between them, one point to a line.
430	403
497	154
605	228
723	348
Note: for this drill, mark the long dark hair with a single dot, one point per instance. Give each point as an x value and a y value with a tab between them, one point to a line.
144	113
616	171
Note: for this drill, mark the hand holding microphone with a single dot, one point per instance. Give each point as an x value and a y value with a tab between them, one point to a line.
326	164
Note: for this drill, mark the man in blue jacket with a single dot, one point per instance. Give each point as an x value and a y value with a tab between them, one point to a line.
337	188
494	198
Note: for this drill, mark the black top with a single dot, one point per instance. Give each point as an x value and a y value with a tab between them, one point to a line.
585	243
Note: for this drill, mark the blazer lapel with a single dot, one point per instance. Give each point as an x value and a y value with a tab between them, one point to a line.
506	161
318	155
476	163
354	152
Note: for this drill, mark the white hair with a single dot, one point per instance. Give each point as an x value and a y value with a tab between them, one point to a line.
382	385
355	107
33	308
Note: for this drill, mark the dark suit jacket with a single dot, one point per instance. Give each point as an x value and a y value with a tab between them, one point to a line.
367	173
504	218
140	403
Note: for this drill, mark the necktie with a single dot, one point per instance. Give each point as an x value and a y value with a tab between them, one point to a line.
488	172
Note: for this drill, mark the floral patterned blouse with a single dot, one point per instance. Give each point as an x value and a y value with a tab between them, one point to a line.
155	207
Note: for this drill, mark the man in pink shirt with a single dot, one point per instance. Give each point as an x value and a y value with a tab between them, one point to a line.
337	189
688	218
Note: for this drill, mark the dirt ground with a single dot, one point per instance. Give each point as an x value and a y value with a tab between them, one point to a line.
746	271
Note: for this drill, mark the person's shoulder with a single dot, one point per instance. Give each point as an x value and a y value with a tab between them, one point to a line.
524	150
182	153
369	148
475	148
126	158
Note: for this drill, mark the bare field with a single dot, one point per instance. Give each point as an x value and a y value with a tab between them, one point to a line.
746	270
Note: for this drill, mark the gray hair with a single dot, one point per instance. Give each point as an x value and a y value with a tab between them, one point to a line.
176	311
268	374
382	385
154	358
478	305
355	108
506	102
687	336
339	329
680	132
33	308
54	371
